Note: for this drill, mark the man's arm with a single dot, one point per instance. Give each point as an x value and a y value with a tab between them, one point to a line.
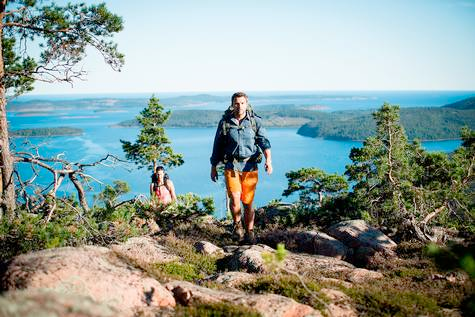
268	164
214	173
218	151
264	144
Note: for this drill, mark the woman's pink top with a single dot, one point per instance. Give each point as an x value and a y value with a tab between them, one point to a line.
163	194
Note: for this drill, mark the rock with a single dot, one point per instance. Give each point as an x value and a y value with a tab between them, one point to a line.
315	242
232	279
208	248
357	233
249	259
340	305
230	248
144	251
152	226
270	305
44	302
363	275
89	271
304	263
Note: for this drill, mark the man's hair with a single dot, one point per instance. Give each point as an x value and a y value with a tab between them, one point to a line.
237	95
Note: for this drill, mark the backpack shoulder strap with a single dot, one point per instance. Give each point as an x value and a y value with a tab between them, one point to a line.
252	118
224	125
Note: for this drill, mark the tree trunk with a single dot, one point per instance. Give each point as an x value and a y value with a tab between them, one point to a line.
80	190
7	186
58	179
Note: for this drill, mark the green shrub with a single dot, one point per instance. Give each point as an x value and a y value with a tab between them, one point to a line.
453	257
68	226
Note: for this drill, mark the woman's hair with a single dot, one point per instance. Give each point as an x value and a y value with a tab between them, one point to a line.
161	168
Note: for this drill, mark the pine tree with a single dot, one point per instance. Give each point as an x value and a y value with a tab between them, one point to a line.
402	186
63	33
382	169
152	144
313	185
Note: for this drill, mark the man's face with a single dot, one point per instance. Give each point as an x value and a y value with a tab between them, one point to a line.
240	106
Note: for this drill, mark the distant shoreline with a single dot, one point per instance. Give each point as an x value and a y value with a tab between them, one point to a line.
46	132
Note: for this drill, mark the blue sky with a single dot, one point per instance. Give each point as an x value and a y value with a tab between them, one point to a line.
273	45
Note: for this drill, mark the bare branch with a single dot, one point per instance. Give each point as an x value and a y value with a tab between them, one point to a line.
35	28
74	171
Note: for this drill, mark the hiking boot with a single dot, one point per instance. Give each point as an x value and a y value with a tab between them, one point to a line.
238	232
249	237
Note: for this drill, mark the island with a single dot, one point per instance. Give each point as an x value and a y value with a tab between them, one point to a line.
43	132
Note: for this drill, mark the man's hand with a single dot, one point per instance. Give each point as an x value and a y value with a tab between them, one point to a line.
269	168
214	174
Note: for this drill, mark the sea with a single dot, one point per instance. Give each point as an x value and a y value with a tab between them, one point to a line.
290	151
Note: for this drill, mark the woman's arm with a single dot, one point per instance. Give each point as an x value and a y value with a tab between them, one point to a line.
171	189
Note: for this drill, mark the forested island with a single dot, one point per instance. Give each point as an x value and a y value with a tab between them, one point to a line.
429	123
210	118
422	123
42	132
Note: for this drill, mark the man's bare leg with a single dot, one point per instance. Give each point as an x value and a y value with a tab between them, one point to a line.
249	222
236	211
248	216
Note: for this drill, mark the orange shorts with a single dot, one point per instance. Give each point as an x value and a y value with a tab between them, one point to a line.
242	182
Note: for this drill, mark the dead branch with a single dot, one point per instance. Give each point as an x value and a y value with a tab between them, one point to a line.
133	200
60	169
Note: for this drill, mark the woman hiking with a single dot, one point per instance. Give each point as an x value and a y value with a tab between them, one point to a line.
161	187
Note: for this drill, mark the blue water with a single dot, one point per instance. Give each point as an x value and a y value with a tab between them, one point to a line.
290	151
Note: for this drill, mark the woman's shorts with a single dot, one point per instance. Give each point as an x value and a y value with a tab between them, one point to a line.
242	182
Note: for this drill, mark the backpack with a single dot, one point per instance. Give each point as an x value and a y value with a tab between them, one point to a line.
252	118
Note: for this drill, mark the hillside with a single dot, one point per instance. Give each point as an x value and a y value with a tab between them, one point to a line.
422	123
465	104
210	118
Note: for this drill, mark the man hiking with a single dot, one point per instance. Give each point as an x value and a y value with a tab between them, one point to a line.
239	139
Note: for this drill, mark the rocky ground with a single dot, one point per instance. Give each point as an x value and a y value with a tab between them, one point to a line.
194	270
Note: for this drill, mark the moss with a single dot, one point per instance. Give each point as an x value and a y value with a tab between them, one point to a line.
215	310
289	286
182	271
374	301
192	266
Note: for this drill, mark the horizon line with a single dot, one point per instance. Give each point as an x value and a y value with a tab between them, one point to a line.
247	91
